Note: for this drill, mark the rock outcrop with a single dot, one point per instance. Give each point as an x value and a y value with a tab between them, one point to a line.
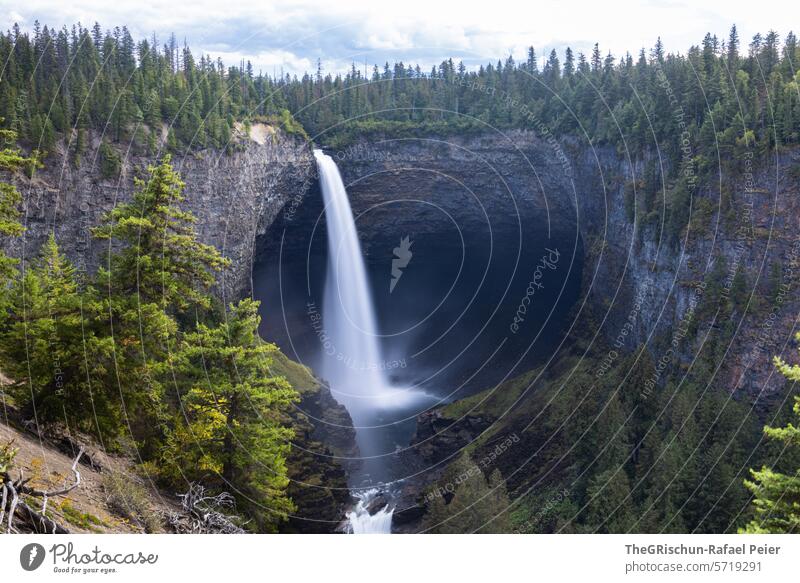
633	279
235	197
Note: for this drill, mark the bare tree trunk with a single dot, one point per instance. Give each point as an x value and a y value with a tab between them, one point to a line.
19	509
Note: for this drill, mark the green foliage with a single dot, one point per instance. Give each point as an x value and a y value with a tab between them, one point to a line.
776	494
141	350
44	343
479	503
160	272
7	455
84	520
613	454
161	262
110	162
11	159
231	406
401	99
86	79
128	499
609	508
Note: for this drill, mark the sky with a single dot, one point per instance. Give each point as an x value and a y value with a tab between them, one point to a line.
290	36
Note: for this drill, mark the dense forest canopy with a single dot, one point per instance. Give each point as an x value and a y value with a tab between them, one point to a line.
137	346
720	92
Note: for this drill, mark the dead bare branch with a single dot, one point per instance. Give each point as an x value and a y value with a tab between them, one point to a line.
50	493
40	523
3	501
19	509
14	502
203	513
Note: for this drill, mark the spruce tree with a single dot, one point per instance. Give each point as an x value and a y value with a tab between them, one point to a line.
776	501
231	427
11	159
160	271
46	345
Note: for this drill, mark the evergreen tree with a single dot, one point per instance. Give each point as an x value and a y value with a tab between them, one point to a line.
162	261
610	505
160	272
45	348
231	424
479	504
777	495
11	159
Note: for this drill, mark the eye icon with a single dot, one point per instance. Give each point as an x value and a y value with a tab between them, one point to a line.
31	556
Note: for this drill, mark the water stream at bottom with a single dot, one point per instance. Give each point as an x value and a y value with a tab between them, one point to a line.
360	519
356	376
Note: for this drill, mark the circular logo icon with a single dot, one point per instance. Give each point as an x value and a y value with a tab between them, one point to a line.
31	556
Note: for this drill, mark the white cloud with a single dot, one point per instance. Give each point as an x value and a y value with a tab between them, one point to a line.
293	35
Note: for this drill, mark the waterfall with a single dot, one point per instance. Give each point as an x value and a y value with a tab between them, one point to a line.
355	370
362	522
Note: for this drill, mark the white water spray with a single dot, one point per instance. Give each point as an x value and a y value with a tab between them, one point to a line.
355	371
362	522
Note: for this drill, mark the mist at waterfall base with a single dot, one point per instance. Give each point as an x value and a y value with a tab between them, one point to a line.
441	332
355	367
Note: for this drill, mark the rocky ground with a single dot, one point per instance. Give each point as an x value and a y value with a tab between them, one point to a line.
111	497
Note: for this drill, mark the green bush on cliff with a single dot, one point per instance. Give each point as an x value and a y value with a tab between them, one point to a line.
776	494
464	500
110	162
141	349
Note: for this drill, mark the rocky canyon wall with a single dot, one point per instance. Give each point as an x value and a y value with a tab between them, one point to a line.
639	287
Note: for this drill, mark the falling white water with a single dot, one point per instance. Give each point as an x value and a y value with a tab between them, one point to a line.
360	520
355	370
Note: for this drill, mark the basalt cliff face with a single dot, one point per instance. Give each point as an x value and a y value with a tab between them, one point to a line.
638	287
235	197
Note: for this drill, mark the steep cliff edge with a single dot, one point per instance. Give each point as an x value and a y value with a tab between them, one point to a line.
235	196
638	286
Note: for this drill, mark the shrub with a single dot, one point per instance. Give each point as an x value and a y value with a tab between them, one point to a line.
7	454
110	163
128	499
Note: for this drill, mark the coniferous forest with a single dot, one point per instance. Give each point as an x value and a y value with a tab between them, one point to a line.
151	360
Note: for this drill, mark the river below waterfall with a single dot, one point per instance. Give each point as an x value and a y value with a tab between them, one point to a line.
383	414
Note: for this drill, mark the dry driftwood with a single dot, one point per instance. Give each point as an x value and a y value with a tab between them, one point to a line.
204	513
18	509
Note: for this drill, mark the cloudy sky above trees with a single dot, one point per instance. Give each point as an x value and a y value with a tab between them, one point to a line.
289	36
